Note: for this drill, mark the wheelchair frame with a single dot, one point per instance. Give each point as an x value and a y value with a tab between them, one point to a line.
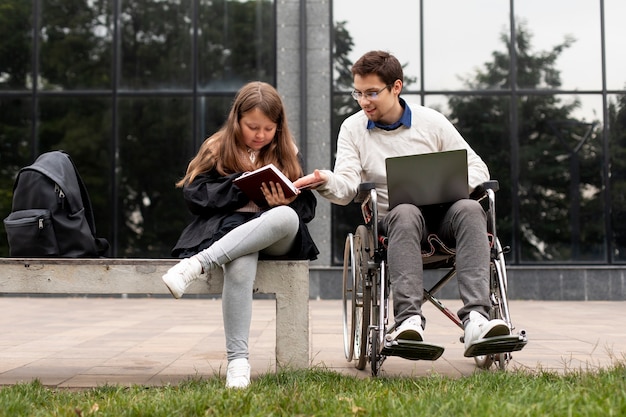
366	291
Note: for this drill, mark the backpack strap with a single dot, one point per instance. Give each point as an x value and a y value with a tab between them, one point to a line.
85	197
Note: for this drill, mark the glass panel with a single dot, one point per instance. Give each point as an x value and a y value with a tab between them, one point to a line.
352	39
75	50
213	113
81	126
617	139
156	44
15	45
548	24
155	147
15	129
459	36
484	123
393	28
236	43
345	219
560	187
437	102
614	12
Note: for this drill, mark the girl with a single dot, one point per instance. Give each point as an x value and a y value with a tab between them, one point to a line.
229	230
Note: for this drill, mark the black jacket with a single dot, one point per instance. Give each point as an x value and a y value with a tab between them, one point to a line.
213	199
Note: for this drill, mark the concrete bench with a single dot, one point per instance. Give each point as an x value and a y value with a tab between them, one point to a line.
288	280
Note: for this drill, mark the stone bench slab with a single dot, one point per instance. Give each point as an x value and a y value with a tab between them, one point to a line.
288	280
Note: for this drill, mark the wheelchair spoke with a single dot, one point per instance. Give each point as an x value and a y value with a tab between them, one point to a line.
349	298
361	329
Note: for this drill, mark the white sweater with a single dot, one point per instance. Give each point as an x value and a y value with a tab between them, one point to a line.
361	153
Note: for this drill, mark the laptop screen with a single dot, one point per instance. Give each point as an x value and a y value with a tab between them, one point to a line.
426	179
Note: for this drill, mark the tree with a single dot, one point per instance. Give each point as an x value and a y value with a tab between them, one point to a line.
559	157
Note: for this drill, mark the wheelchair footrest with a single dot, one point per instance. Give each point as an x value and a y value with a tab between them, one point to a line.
498	344
413	350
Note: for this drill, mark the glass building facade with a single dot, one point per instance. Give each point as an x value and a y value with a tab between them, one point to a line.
130	88
538	90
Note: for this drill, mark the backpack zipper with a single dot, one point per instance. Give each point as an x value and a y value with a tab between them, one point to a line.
60	195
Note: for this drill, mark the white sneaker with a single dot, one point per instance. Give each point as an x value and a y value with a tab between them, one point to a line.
181	275
238	373
478	327
410	329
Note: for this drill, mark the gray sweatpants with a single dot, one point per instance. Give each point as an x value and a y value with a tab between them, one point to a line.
272	233
464	226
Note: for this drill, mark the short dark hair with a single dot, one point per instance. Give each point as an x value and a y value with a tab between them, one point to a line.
381	63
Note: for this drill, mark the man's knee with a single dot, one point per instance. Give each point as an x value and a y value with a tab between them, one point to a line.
469	208
468	204
468	215
406	216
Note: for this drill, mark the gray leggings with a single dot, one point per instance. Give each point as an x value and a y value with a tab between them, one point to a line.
465	226
272	233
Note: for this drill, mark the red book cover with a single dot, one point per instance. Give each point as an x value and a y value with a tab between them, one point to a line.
250	183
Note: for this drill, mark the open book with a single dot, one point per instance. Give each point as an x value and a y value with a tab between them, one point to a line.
250	183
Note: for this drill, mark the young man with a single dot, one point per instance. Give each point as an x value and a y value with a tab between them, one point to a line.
387	126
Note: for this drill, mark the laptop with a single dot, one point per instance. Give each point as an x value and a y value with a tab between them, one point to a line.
427	179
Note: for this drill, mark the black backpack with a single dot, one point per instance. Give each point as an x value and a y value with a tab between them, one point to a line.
51	213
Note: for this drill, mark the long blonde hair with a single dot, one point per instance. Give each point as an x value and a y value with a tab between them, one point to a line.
224	150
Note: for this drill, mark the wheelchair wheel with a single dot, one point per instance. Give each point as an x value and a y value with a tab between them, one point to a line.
485	361
499	308
356	297
378	294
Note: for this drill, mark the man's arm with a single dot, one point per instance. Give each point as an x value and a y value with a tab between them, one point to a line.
477	171
343	181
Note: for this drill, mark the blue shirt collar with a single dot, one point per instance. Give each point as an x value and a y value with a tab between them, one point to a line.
404	120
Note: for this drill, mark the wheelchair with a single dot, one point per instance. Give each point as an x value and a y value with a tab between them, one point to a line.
366	293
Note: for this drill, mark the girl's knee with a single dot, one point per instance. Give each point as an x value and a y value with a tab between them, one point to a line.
285	218
284	212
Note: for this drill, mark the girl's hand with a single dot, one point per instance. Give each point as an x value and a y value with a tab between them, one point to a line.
274	195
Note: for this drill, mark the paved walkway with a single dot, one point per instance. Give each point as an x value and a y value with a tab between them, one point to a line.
86	342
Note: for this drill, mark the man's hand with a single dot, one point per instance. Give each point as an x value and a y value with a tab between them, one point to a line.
312	181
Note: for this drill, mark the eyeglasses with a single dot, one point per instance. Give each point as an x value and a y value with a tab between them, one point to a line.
370	95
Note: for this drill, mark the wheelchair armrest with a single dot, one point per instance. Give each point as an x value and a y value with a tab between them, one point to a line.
491	185
364	191
480	191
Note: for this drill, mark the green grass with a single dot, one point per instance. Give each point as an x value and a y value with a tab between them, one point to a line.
319	392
